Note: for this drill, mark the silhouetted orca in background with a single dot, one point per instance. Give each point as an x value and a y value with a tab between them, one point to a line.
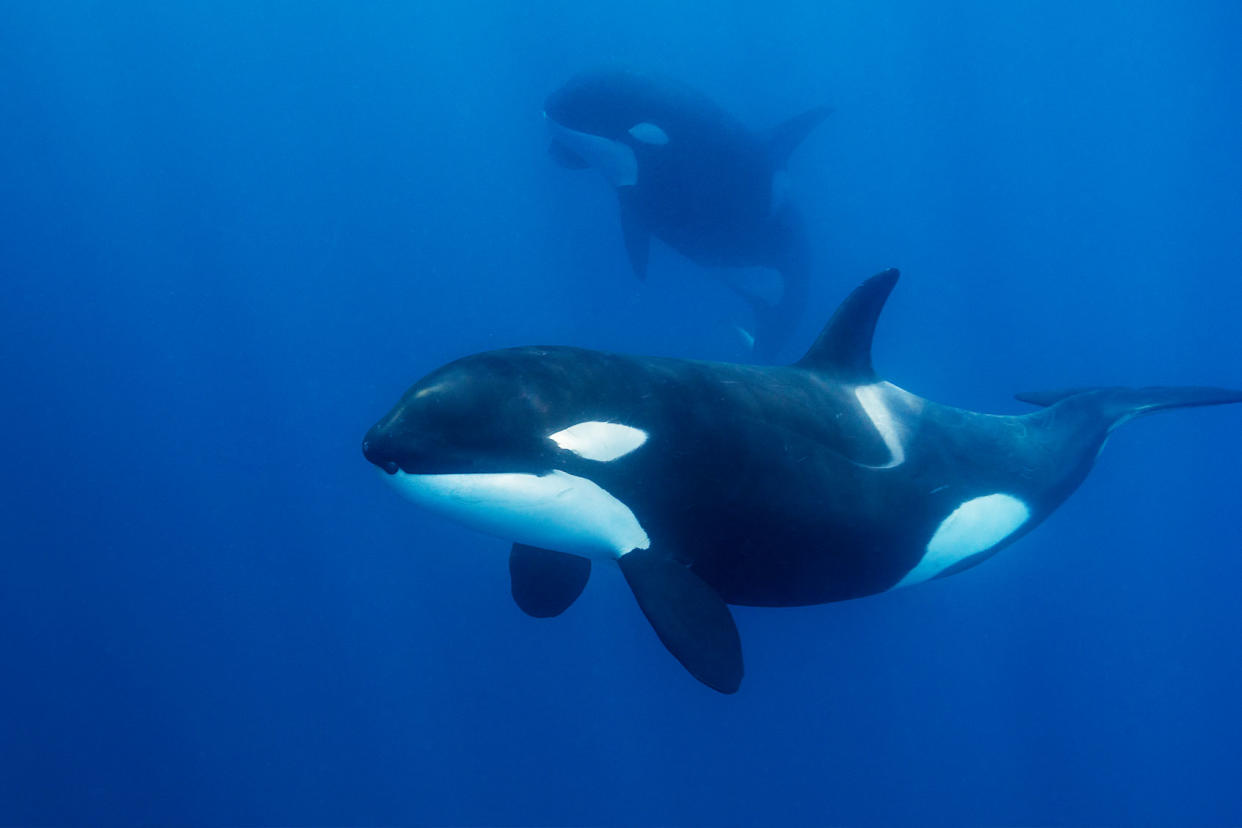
691	174
713	484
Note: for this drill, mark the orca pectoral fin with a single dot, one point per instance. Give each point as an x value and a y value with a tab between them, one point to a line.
545	583
637	236
690	617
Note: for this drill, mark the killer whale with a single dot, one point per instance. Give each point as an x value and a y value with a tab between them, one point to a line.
712	484
694	176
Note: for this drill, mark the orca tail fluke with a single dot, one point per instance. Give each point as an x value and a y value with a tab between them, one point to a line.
1116	406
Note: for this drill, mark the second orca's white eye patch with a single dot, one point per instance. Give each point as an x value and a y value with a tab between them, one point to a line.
600	441
649	133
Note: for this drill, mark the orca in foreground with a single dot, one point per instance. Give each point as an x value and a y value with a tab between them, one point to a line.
691	174
712	484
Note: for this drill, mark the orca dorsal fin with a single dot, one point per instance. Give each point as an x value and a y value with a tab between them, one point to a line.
785	137
843	348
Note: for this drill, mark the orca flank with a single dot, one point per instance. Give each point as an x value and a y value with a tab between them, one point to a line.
710	484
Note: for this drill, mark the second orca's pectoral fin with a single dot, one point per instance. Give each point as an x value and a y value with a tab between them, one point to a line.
545	583
690	617
634	230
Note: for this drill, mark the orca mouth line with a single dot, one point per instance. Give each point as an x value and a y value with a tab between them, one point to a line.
393	467
389	466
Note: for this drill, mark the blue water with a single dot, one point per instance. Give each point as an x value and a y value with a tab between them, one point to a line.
231	234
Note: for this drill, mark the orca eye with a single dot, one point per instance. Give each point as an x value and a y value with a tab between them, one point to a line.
649	133
595	440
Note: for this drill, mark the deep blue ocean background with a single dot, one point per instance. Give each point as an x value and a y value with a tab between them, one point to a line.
231	234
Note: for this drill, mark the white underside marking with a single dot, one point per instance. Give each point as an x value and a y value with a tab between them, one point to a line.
973	527
614	160
871	398
556	511
600	441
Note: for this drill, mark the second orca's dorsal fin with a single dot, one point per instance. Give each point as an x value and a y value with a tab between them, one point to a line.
785	137
843	348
